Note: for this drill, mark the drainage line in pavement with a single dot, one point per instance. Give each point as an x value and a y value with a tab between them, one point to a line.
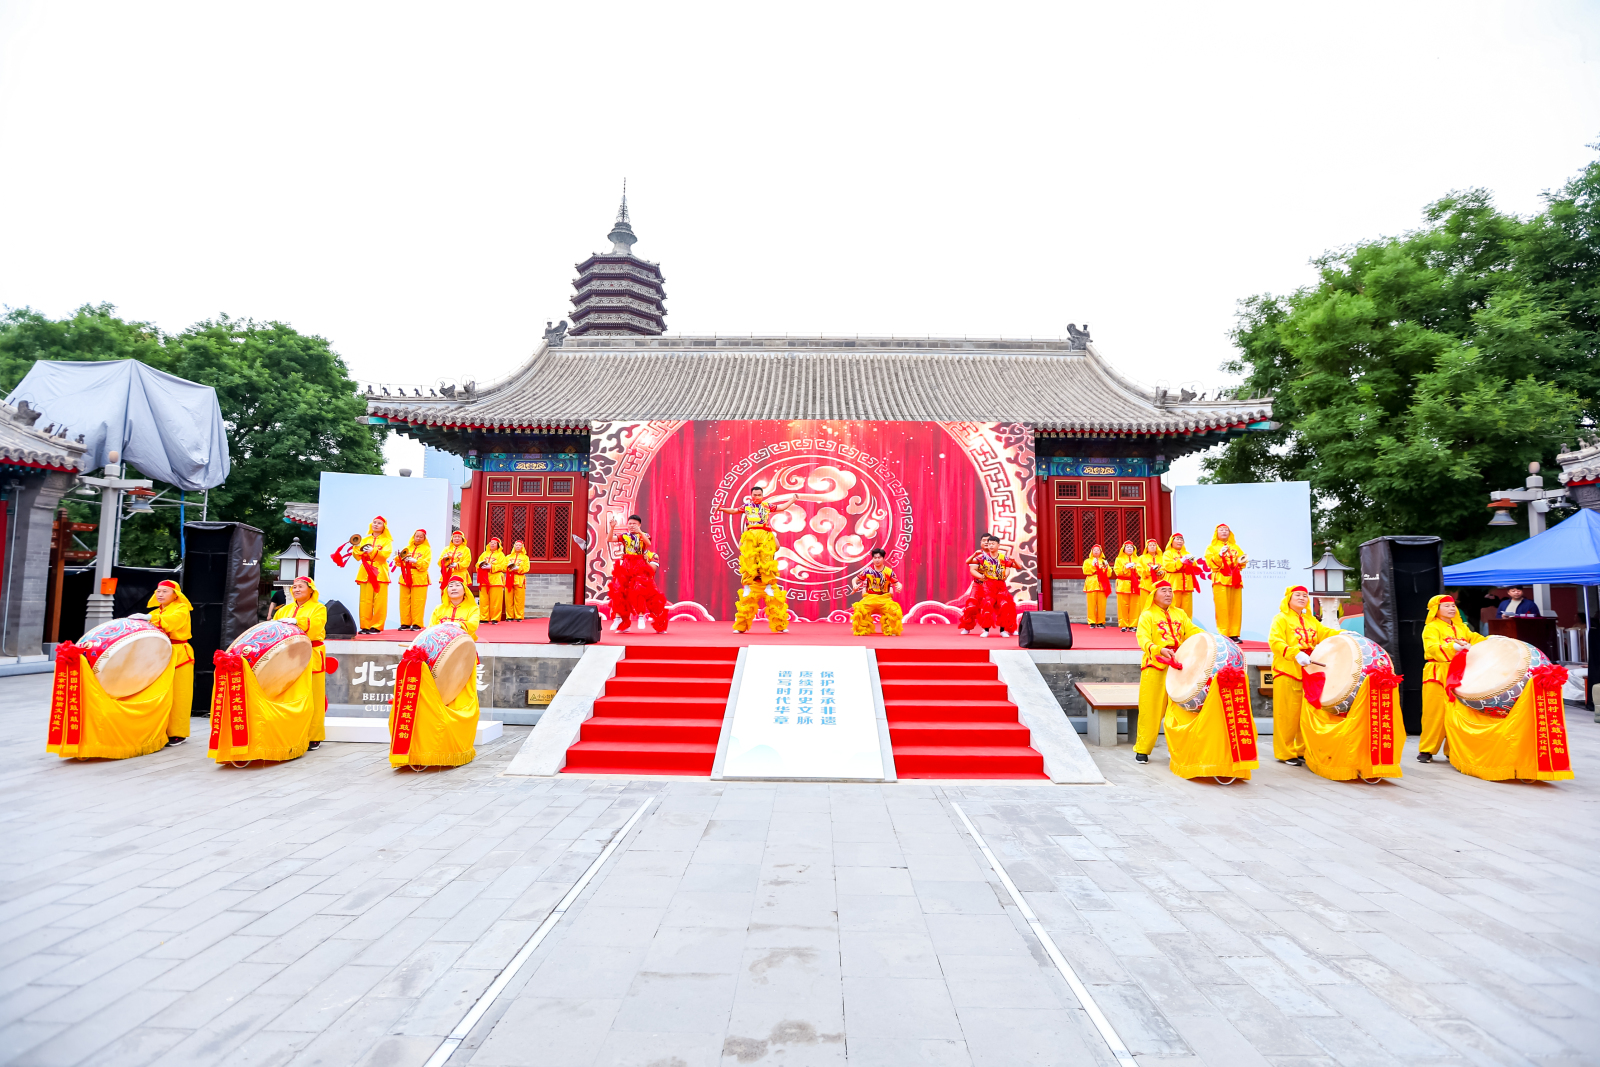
483	1003
1079	990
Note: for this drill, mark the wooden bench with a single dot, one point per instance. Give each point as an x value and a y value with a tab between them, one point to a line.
1105	700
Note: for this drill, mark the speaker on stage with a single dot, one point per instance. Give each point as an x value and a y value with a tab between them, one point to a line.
340	622
1045	629
222	579
1399	575
574	624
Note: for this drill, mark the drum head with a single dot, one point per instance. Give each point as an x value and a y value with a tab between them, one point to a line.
133	662
456	668
1339	657
1494	666
1198	655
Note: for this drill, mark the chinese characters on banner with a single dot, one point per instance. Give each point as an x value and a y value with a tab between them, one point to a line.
804	712
808	699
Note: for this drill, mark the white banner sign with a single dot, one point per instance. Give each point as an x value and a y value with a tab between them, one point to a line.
804	711
1271	521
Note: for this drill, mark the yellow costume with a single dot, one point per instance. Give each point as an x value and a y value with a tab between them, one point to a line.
1227	562
1203	743
455	562
877	601
492	580
516	582
1125	569
758	547
1096	584
372	576
1291	633
1342	747
247	725
174	619
1437	635
1150	564
1159	629
1183	584
1529	742
86	722
414	581
424	731
312	618
754	595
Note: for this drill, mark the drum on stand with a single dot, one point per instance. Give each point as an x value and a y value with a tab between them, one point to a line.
278	653
1497	671
452	656
1198	661
127	655
1344	658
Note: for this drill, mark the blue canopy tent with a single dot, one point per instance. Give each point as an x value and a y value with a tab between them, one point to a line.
1566	554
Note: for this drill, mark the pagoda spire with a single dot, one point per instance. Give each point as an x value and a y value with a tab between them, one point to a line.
619	294
622	238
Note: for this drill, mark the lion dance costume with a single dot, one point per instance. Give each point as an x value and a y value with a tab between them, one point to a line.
758	572
990	603
877	603
633	585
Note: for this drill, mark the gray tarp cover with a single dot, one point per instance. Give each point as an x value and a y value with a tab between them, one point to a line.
169	428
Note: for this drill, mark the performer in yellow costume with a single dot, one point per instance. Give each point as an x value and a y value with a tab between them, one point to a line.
1182	571
1162	628
1294	633
172	613
1125	568
247	724
424	730
877	583
454	562
516	581
758	546
1096	584
492	581
1150	565
1227	562
86	722
372	575
1361	743
1444	637
306	610
413	561
459	606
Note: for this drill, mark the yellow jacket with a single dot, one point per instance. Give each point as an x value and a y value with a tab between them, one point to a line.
1150	567
415	572
1125	569
1293	632
517	567
174	620
1172	563
378	557
455	562
1236	555
465	614
1437	633
492	566
1097	574
1162	628
312	618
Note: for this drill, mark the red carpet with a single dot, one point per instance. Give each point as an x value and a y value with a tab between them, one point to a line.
662	713
949	716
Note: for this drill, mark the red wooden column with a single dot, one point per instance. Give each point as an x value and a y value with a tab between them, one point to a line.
472	512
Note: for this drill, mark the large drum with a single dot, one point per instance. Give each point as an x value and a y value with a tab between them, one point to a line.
126	654
278	653
1497	670
1344	658
1199	659
452	656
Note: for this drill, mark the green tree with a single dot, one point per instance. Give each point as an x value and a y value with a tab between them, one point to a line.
1423	370
289	403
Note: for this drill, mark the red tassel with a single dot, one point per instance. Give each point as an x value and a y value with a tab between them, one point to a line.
1311	685
1549	675
1452	678
1381	677
1230	676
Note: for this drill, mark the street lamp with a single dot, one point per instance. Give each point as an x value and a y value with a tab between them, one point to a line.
1327	582
1502	513
293	562
1538	499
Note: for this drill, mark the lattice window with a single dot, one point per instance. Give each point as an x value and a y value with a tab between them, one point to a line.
1110	523
1099	490
1064	538
1133	526
519	524
1130	490
561	531
497	521
531	487
560	486
499	485
1091	531
539	540
1069	490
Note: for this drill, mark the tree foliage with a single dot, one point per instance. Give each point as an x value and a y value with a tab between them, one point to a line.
1424	370
289	403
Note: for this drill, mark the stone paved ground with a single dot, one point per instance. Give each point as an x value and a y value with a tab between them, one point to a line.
332	911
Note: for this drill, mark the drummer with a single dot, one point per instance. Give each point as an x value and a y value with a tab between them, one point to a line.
1444	637
305	610
458	607
372	551
172	612
1293	635
1162	628
413	561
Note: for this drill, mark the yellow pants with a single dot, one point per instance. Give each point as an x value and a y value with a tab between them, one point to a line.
876	604
1152	707
1184	598
1228	600
492	602
1434	709
182	699
413	605
516	601
1128	609
758	557
777	609
374	605
1287	698
1097	608
319	694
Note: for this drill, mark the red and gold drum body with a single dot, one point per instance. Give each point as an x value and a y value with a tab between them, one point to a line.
278	653
1200	658
1497	671
1346	659
452	656
127	655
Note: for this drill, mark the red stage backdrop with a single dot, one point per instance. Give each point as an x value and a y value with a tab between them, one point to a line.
923	491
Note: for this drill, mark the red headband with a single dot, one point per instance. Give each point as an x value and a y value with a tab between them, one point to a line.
1163	584
1298	589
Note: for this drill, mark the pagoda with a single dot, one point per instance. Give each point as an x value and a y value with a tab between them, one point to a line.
619	294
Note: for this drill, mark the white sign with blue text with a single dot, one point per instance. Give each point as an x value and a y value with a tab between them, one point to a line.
804	711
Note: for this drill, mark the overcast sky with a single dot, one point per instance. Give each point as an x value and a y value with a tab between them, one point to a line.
415	182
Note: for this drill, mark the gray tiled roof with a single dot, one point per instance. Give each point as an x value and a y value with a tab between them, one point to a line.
21	442
1041	383
1582	464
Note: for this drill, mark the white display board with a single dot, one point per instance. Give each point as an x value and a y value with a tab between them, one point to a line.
1272	523
347	503
804	711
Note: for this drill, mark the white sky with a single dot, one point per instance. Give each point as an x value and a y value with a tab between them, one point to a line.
415	182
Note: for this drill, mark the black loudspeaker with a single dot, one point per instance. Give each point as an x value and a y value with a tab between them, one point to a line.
222	579
1045	629
136	585
1399	575
574	624
340	622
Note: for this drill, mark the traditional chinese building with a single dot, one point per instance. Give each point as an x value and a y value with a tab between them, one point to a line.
930	440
